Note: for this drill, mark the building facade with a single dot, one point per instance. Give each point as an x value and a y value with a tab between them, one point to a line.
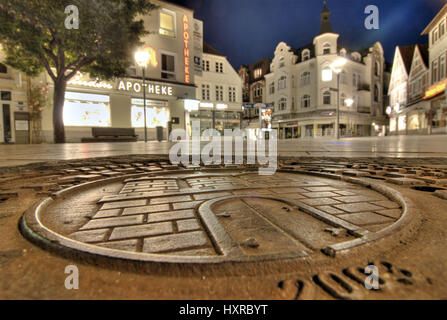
409	82
219	90
254	91
418	83
435	93
14	115
305	105
175	44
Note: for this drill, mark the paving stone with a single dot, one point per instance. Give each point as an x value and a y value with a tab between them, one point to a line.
107	213
186	205
90	236
145	230
353	199
392	213
358	207
365	218
320	201
320	194
345	193
175	242
331	210
387	204
405	181
123	204
209	196
172	215
321	189
146	209
188	225
126	245
192	253
113	222
170	199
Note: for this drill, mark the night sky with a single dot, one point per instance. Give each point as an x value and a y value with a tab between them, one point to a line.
249	30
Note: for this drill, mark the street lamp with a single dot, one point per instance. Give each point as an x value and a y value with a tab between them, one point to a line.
142	58
337	67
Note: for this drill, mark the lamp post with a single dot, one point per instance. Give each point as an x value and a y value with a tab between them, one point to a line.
337	67
142	58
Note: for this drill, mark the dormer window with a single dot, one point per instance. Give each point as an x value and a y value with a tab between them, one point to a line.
257	73
305	55
281	62
326	49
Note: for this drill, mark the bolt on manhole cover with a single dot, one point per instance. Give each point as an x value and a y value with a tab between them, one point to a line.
212	217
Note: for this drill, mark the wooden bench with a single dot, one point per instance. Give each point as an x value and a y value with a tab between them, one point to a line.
112	135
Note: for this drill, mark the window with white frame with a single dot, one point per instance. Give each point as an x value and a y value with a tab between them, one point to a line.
305	78
343	77
282	83
257	91
257	73
168	67
282	105
272	88
377	68
232	94
376	93
442	68
219	67
281	62
206	92
167	23
305	55
327	97
343	100
326	49
441	29
206	65
305	101
435	36
219	93
435	71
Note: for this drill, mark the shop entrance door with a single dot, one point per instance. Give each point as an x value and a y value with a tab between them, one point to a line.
22	127
6	112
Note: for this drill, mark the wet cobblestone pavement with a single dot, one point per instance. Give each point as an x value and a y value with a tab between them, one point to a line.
139	227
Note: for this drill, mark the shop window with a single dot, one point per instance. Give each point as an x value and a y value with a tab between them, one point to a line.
3	68
157	114
327	98
167	67
167	23
86	110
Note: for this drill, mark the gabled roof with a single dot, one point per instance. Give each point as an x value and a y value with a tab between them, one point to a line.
407	53
435	20
207	48
423	49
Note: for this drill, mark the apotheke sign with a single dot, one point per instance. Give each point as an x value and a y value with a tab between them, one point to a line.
151	88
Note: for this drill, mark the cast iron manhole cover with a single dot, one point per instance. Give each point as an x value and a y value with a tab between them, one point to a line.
214	216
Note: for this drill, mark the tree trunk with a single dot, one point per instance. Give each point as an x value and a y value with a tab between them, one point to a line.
58	111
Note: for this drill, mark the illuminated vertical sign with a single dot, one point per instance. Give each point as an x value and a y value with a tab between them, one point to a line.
186	49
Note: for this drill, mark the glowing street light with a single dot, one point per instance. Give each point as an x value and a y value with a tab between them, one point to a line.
337	68
349	102
142	58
